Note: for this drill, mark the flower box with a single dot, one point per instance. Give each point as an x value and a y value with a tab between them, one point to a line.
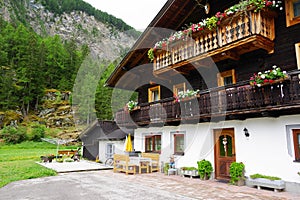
189	172
263	182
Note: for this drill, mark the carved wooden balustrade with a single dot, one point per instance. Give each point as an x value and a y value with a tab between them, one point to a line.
236	35
239	101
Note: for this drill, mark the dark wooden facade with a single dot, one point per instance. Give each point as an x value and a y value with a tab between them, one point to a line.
237	101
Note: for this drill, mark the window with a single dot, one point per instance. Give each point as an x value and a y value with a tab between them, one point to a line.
179	144
179	88
226	78
154	94
153	143
297	48
110	150
296	139
292	12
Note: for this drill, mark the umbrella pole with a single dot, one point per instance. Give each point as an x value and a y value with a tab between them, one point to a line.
57	150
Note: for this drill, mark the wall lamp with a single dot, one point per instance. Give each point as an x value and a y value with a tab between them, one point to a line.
247	134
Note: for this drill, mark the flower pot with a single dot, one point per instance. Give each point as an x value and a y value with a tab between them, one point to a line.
240	182
205	177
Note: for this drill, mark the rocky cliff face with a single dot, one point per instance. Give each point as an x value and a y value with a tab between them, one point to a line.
105	41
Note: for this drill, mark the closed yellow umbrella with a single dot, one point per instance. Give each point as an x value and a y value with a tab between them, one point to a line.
129	144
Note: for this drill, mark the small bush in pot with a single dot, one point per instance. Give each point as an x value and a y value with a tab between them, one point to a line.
204	169
237	170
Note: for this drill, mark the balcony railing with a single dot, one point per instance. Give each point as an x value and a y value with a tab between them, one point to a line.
236	35
238	101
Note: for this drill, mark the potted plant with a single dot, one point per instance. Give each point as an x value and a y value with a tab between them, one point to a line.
237	171
131	105
204	169
188	94
272	76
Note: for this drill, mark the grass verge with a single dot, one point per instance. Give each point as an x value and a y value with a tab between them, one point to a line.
18	162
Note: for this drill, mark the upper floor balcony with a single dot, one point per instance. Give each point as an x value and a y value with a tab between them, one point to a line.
236	35
238	101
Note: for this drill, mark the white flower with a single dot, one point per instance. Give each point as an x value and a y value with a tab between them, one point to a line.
259	73
263	76
274	66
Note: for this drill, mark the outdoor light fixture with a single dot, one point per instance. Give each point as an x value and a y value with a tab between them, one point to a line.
206	6
246	132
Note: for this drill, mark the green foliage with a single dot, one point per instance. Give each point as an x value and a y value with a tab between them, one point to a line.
204	168
37	132
189	168
272	178
29	64
12	135
166	167
236	171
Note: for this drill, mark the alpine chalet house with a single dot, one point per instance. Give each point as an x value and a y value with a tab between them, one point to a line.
218	80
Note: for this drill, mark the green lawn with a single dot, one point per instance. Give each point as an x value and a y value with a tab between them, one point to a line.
17	162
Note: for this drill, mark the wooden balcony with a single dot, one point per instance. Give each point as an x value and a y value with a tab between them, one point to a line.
235	36
239	101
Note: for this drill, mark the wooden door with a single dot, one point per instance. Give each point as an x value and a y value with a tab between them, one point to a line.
224	152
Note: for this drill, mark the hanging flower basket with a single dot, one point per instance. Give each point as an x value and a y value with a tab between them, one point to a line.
269	77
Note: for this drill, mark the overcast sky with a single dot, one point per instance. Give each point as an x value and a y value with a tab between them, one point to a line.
136	13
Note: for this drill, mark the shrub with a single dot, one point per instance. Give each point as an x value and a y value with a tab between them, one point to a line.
37	132
204	168
13	135
236	171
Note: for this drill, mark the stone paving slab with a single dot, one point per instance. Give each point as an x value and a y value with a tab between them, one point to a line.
106	185
82	165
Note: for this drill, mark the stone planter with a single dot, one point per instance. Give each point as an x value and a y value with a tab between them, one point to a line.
263	182
189	173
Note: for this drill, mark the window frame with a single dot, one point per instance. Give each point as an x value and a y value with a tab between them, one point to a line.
297	50
109	146
296	134
179	86
289	14
176	135
151	91
222	75
152	137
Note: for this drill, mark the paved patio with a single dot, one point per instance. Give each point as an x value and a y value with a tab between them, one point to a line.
106	185
82	165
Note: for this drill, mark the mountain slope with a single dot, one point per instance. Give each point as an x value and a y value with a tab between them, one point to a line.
107	36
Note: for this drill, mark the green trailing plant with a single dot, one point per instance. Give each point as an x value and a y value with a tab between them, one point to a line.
131	105
166	168
188	168
272	178
236	171
151	54
204	168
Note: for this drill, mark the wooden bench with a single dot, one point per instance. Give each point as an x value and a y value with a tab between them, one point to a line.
155	160
121	164
67	152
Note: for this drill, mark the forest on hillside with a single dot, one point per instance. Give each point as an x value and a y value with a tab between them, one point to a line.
29	64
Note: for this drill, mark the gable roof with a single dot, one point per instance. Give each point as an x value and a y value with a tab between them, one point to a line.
107	130
174	15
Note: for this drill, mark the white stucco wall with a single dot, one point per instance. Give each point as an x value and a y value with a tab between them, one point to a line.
118	147
265	151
